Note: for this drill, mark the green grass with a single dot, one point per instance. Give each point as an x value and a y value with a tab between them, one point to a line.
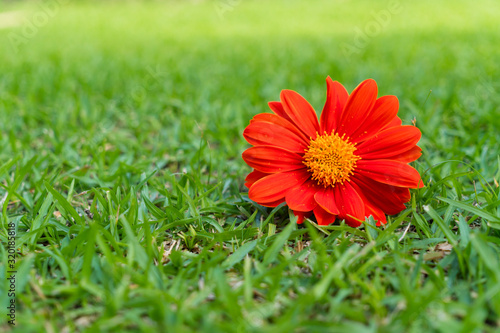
120	164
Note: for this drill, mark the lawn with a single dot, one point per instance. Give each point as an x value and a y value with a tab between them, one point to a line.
122	183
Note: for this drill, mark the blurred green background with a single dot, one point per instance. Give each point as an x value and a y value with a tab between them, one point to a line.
163	73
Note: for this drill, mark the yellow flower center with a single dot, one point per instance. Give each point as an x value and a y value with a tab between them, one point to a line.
330	159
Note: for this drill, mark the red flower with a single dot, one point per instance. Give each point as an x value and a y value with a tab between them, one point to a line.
351	164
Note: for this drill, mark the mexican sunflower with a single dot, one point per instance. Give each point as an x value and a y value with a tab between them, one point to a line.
350	164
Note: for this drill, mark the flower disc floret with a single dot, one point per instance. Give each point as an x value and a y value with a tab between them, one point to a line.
330	159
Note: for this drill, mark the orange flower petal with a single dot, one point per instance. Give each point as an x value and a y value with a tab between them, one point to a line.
301	216
274	187
270	159
261	133
301	198
389	198
359	105
396	121
408	156
371	208
300	112
253	177
383	112
273	203
336	99
323	217
389	142
377	213
325	197
277	108
350	204
272	118
390	172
